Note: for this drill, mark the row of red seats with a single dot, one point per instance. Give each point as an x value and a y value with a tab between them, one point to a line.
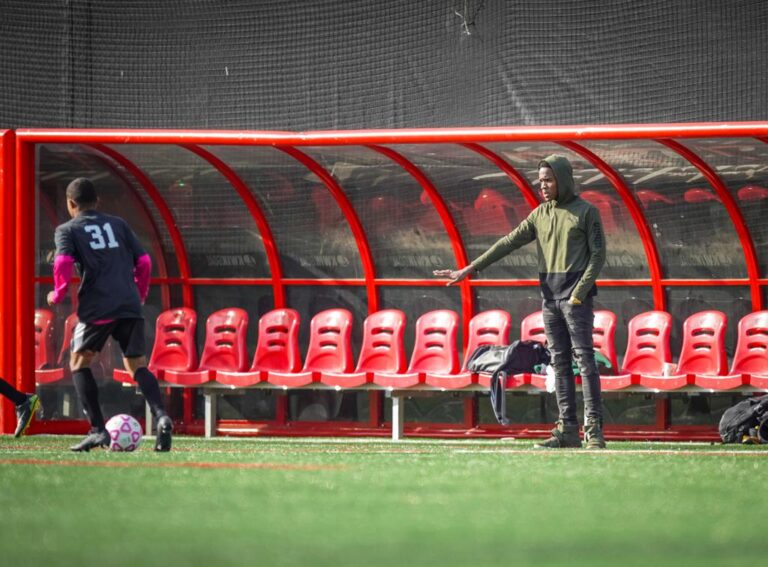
434	361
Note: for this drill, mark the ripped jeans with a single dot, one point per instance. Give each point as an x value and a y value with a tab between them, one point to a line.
569	335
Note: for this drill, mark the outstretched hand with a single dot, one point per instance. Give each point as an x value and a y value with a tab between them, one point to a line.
454	275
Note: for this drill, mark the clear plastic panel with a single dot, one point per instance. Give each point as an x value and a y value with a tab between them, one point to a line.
742	164
694	235
312	236
484	204
119	194
220	236
405	234
626	257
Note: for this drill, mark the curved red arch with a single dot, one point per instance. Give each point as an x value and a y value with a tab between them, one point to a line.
457	242
273	258
522	183
649	244
165	213
750	254
348	210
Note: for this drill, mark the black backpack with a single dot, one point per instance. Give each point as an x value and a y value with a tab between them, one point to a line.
503	361
737	421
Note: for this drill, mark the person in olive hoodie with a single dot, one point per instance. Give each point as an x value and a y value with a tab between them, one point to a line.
571	251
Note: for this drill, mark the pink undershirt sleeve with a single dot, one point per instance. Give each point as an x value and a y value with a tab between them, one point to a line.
63	266
141	271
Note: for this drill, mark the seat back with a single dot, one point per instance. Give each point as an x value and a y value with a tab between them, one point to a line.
751	355
487	328
434	348
330	342
382	349
277	347
224	347
44	356
532	328
66	344
703	350
604	336
175	347
648	343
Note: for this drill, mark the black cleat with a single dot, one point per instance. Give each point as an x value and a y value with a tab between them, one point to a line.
92	440
25	412
164	430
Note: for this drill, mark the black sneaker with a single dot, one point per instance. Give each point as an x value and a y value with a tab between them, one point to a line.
25	412
92	440
164	430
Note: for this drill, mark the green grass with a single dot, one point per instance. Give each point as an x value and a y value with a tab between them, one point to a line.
317	502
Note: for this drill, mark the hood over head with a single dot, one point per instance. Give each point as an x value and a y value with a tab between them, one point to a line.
563	171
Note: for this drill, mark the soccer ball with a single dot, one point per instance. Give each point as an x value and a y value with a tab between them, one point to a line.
124	433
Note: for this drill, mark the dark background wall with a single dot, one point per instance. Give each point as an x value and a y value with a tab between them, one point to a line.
331	64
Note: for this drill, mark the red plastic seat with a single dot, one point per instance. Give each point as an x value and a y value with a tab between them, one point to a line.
382	351
750	361
647	352
44	355
489	214
329	350
277	349
48	375
46	370
486	328
224	349
606	205
532	328
434	351
702	353
604	341
175	347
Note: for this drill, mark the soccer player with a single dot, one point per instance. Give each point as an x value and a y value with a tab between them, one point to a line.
26	406
569	237
114	271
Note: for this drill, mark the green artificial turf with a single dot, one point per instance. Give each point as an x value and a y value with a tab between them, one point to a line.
318	502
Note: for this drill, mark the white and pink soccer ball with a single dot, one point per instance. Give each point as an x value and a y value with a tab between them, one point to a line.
124	433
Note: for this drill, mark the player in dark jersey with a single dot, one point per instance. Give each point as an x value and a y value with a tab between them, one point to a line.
114	271
26	406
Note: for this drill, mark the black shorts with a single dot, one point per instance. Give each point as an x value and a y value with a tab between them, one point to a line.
129	334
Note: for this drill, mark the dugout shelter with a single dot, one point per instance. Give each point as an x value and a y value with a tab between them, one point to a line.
358	220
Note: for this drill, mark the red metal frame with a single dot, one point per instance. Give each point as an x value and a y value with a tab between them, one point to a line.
18	148
355	225
649	243
8	281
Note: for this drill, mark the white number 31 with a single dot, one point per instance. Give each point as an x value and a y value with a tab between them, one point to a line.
97	236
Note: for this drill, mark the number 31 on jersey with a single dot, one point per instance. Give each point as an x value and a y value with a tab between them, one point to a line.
98	242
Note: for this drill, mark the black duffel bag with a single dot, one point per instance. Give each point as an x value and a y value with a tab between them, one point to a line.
746	422
503	361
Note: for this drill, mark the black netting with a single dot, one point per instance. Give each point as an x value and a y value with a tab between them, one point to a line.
313	64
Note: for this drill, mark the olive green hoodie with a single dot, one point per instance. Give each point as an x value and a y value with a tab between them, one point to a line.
569	239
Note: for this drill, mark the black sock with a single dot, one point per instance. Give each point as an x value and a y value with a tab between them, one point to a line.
12	393
88	392
151	390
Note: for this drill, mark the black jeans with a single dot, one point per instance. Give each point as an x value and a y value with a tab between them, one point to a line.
569	335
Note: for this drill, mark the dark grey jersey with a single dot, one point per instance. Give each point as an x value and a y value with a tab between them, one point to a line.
105	251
